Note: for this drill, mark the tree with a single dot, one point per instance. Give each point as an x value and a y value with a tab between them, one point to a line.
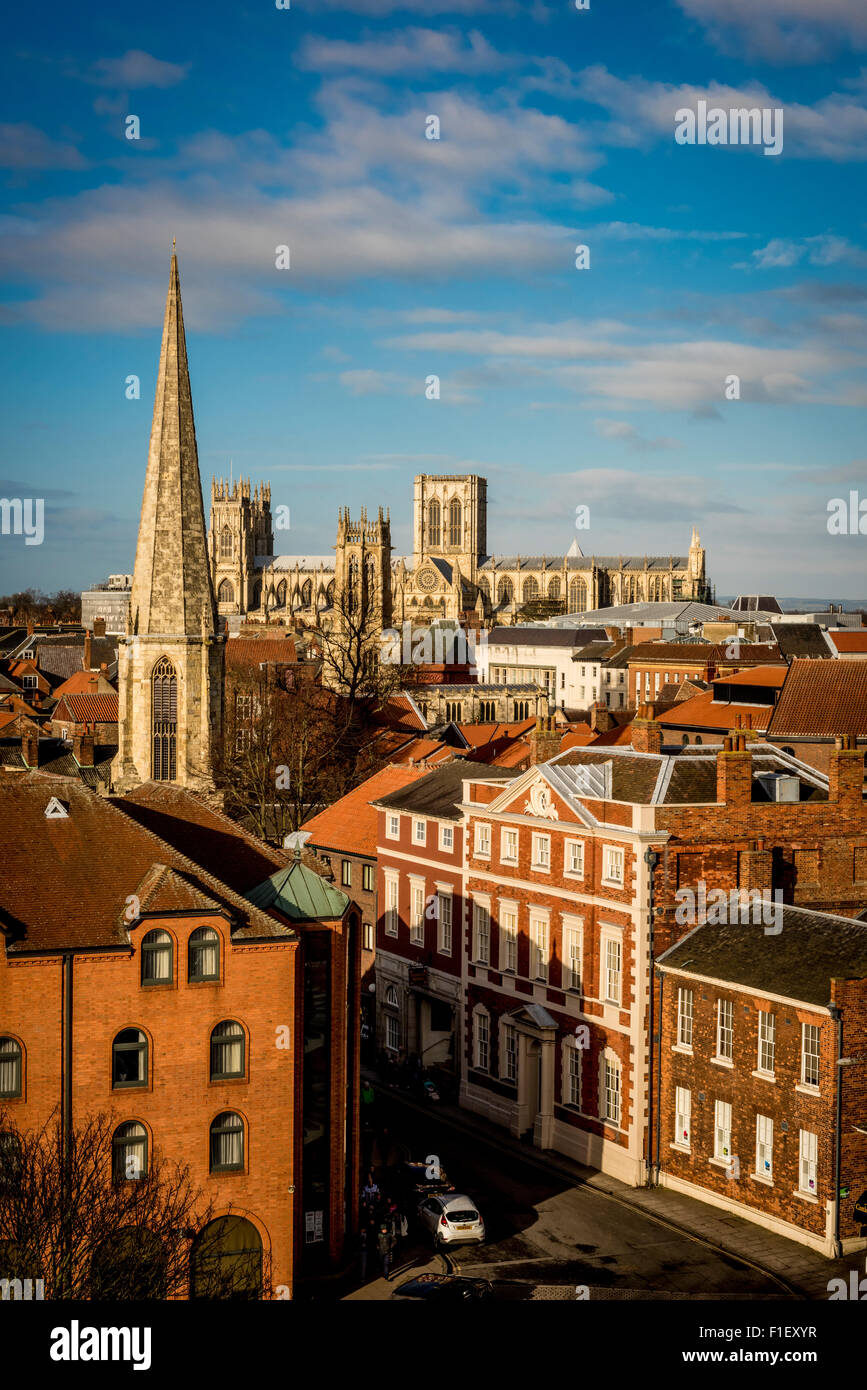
96	1217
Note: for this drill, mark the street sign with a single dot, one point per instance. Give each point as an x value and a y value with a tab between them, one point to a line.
861	1207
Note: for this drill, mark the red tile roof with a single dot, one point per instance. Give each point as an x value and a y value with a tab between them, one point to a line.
398	712
577	737
87	709
350	824
81	683
850	641
701	712
773	676
251	651
822	699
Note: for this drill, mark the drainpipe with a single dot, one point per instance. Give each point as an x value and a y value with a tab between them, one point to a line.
651	859
66	1120
659	1073
837	1014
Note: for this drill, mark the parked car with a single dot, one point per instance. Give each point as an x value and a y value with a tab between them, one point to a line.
451	1217
412	1182
443	1288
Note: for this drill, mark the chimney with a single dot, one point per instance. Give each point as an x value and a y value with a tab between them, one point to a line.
29	629
86	663
755	869
30	745
601	719
103	669
544	740
646	733
846	772
99	627
734	771
82	749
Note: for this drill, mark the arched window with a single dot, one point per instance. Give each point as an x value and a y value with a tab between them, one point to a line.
10	1068
156	958
505	592
226	1260
456	533
698	738
685	740
129	1148
484	586
433	523
164	721
281	594
522	710
204	954
129	1059
578	596
257	595
307	593
227	548
329	595
228	1046
225	593
554	587
352	585
790	751
227	1143
531	589
391	997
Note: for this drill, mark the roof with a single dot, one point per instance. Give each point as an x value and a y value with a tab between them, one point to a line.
848	641
801	639
87	709
822	699
63	655
440	792
401	712
675	652
298	892
703	712
93	858
252	651
521	636
773	676
350	824
84	683
797	962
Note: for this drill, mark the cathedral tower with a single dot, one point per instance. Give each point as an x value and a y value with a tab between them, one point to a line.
363	570
170	664
450	519
239	532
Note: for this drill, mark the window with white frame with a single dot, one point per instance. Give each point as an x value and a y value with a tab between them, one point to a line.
482	930
612	969
416	911
367	940
571	952
809	1162
483	840
444	916
447	837
391	912
610	1106
508	937
541	852
764	1146
767	1033
539	946
419	832
612	864
684	1017
392	826
572	1073
725	1011
509	1053
481	1038
392	1032
509	846
573	862
809	1054
682	1109
722	1129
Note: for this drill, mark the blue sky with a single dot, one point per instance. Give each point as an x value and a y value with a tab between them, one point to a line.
410	257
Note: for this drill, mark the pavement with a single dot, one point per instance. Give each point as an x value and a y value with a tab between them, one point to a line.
797	1271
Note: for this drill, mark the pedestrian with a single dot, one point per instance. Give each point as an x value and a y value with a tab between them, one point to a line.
363	1240
404	1227
370	1192
385	1246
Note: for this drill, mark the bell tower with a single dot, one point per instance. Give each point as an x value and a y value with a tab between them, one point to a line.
170	663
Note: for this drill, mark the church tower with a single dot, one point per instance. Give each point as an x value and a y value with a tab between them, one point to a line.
170	664
239	533
695	574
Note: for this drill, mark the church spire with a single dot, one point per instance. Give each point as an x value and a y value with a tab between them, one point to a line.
171	589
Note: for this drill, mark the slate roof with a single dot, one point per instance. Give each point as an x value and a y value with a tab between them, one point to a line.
440	793
350	824
543	637
801	640
585	562
821	699
685	775
798	962
63	656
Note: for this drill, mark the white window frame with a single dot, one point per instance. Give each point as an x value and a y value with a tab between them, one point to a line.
682	1117
508	937
445	918
573	1079
392	825
483	839
573	952
685	1012
808	1162
540	945
568	869
392	1032
814	1028
391	913
722	1130
368	937
612	856
764	1147
508	1055
447	838
607	938
419	824
506	832
609	1065
481	1038
540	864
481	929
416	910
767	1041
728	1004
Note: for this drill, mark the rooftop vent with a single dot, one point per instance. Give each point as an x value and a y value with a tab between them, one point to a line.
780	786
55	810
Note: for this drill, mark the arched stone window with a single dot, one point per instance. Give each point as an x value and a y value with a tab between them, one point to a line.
531	589
578	596
505	591
329	595
352	585
227	547
434	531
281	594
227	1260
164	721
456	533
257	595
306	593
225	593
554	587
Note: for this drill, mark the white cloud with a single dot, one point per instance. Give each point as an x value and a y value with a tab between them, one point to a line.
135	68
24	147
413	50
785	31
628	434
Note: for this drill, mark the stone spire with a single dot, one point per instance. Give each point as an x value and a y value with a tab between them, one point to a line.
171	588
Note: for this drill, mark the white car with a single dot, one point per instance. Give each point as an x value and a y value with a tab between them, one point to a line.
451	1217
